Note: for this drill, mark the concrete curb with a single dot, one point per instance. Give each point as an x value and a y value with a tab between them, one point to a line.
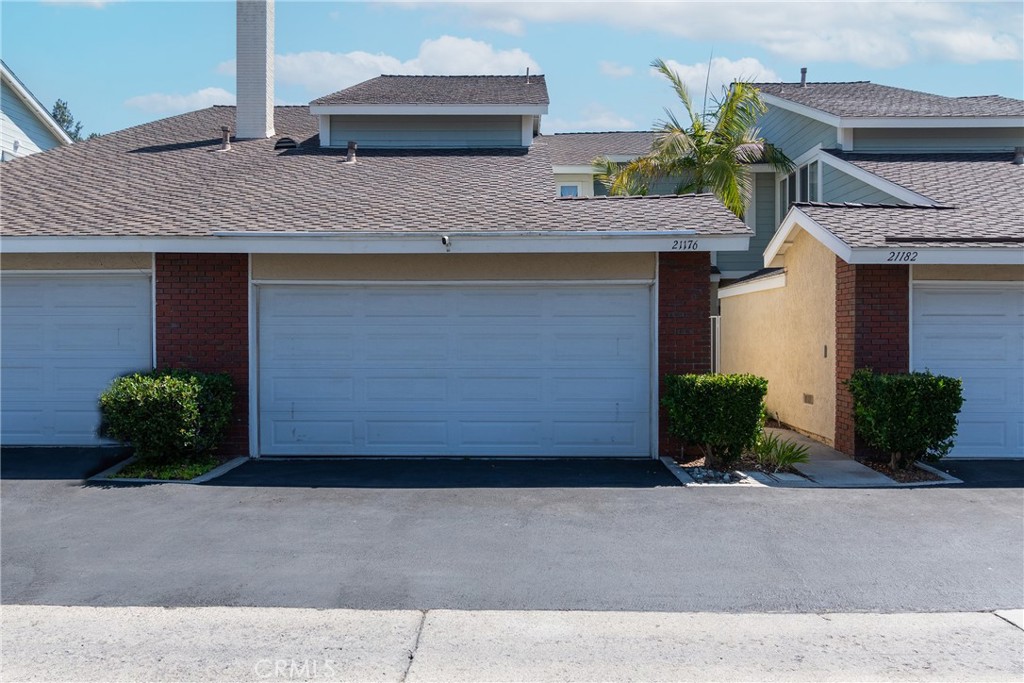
946	478
107	475
677	471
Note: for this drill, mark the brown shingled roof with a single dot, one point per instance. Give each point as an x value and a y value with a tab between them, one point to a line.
442	90
580	149
168	179
871	100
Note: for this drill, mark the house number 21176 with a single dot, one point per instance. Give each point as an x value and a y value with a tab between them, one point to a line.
685	245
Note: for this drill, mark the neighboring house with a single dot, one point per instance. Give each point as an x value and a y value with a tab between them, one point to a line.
26	127
424	293
573	155
901	248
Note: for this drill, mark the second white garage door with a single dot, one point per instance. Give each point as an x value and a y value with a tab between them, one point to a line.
494	370
975	331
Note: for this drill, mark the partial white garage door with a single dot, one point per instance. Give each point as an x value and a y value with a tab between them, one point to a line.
495	370
64	338
975	331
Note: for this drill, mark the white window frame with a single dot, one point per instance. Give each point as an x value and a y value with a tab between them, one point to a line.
578	186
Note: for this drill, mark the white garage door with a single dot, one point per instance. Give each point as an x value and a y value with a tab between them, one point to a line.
496	370
64	338
975	331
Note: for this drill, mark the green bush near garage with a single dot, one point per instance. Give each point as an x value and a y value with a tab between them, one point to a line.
909	416
722	415
173	419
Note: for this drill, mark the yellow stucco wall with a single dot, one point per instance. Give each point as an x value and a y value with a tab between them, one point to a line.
625	266
988	273
787	335
128	261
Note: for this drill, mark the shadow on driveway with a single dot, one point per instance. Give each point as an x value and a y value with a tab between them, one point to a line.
38	462
986	474
442	473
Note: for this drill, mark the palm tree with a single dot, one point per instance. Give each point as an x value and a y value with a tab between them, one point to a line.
712	154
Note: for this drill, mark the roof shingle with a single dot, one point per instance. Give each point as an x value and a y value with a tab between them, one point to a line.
442	90
580	149
871	100
169	179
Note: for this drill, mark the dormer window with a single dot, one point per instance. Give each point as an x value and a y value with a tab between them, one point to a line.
568	189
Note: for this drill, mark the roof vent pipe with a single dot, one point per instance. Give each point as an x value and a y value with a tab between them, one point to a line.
527	75
225	138
350	157
803	77
1018	156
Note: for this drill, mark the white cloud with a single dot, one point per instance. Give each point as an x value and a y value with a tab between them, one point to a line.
723	72
321	73
870	33
594	117
615	70
164	103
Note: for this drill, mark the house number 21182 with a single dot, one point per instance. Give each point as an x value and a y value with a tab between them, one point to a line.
902	256
685	245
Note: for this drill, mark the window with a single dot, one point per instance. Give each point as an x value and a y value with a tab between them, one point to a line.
572	190
813	195
802	185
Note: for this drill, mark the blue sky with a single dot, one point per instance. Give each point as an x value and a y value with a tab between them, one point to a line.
121	63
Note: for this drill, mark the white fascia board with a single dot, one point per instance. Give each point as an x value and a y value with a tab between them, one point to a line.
774	253
760	168
939	255
339	243
887	186
574	170
427	109
762	284
45	117
893	121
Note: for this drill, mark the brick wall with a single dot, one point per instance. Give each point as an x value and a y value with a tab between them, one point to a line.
684	332
202	323
872	331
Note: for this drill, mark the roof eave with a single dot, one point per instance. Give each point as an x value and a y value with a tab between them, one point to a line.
35	105
837	121
428	109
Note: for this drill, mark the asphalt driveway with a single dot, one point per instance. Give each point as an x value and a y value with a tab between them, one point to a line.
641	546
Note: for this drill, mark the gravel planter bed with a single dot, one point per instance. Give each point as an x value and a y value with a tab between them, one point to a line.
694	466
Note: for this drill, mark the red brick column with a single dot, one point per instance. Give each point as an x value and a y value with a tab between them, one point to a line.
872	331
202	323
684	332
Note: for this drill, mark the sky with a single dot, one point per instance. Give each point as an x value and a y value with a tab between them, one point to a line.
120	63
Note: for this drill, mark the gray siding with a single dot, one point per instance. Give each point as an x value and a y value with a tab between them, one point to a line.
764	229
19	124
937	139
427	131
839	187
795	134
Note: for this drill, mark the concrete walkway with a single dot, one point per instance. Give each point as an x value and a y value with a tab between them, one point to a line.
43	643
830	468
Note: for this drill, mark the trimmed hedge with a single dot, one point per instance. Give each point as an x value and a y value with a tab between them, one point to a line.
721	414
168	415
909	416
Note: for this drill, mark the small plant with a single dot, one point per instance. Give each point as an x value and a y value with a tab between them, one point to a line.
168	416
721	414
909	416
774	453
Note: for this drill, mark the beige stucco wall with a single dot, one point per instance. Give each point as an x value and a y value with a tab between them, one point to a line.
787	335
617	266
981	272
128	261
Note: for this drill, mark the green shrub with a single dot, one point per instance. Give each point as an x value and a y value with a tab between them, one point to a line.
168	415
909	416
721	414
775	453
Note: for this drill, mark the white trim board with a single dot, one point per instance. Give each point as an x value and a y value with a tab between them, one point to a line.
337	243
762	284
22	91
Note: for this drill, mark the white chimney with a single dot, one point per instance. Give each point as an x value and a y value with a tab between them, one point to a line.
254	69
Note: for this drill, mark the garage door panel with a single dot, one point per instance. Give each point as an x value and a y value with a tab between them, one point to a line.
976	332
472	381
64	339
